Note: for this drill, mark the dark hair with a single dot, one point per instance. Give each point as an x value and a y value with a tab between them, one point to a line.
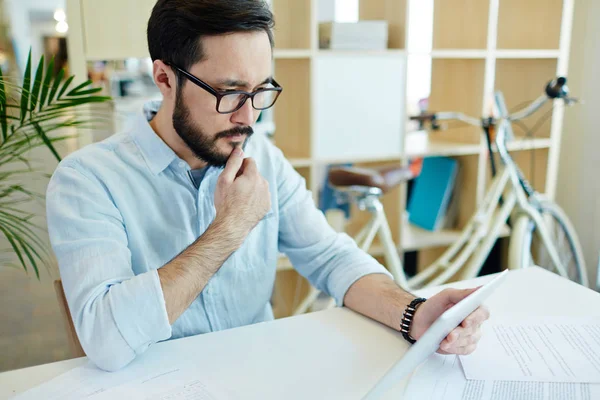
176	27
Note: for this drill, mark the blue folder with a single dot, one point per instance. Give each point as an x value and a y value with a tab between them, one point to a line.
431	192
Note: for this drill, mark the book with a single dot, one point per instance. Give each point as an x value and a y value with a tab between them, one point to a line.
431	192
361	35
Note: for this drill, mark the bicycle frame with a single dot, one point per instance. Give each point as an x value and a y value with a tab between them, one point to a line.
467	255
508	191
474	243
525	202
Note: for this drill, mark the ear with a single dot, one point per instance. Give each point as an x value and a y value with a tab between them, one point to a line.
165	79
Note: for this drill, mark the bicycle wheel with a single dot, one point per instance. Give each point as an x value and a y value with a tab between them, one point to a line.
527	248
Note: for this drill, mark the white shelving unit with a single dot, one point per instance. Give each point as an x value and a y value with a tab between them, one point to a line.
474	47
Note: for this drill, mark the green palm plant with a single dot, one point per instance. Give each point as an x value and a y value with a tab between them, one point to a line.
34	114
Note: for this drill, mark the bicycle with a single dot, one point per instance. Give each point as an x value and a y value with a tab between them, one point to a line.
541	233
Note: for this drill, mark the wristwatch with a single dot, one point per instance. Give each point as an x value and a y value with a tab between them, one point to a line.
407	319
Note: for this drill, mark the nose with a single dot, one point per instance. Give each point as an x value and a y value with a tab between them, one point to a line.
244	116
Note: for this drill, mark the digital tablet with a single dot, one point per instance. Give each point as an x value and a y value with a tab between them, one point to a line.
431	339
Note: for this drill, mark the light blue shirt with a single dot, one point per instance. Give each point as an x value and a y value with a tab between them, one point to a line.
120	209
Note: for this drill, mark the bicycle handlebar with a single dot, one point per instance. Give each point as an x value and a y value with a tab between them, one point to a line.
555	89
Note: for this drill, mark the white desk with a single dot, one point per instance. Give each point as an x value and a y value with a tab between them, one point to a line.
276	360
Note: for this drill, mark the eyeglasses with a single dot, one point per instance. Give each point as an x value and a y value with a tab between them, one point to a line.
232	100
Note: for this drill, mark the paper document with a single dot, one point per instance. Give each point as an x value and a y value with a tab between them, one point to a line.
441	378
179	383
543	349
146	381
79	383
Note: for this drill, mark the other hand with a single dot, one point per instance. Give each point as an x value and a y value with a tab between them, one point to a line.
463	339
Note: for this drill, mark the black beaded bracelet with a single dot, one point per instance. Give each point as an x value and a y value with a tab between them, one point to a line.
407	319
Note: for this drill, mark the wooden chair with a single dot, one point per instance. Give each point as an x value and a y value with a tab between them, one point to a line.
74	345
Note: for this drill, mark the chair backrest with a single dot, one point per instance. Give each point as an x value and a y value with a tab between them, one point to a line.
74	345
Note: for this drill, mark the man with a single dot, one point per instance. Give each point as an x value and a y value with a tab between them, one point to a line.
173	228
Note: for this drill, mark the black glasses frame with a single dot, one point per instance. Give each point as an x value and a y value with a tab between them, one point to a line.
219	95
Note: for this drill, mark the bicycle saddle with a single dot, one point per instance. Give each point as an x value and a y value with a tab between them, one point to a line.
385	177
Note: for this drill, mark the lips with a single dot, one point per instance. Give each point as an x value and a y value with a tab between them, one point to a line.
236	136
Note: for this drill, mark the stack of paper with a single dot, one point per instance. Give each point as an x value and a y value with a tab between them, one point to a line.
534	359
441	378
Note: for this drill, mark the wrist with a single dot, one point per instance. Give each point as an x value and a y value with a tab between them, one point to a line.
408	318
229	229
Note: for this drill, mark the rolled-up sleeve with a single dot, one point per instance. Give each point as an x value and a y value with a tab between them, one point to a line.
331	261
117	314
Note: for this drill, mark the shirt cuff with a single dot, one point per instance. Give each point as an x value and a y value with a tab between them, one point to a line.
150	323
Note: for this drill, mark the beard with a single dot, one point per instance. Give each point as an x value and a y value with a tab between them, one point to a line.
203	146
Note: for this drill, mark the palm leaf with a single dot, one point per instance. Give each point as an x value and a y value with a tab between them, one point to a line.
85	92
30	115
26	89
46	140
37	85
57	80
16	249
3	108
65	86
74	92
46	86
26	232
24	247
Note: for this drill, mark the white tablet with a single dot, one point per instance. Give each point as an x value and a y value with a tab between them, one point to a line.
431	339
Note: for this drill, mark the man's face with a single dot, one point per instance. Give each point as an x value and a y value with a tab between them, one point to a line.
238	61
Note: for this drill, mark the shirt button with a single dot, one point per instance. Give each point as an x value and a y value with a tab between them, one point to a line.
181	164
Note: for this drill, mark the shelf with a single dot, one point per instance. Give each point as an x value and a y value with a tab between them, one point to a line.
475	54
300	162
419	144
358	159
527	54
366	53
292	113
415	238
291	53
459	53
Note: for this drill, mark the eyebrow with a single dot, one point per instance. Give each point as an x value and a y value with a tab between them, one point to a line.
238	83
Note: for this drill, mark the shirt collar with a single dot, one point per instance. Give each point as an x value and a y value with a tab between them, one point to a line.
157	154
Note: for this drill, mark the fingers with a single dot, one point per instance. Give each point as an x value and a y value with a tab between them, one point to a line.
461	337
249	167
234	163
476	318
456	295
463	340
463	351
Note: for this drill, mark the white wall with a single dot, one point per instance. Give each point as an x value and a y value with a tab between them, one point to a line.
20	24
578	188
